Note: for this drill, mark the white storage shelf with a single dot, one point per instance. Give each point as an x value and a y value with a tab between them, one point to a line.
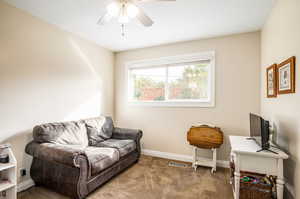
8	177
6	166
6	185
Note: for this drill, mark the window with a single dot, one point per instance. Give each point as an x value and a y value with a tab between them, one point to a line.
174	81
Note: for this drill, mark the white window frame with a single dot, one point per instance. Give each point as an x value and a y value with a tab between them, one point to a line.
165	61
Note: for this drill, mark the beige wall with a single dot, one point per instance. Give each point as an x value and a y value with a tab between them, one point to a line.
281	40
237	93
47	75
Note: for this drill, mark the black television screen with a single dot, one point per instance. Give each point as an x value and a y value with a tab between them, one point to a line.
259	130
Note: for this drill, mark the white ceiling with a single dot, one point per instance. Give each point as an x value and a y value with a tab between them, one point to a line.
174	21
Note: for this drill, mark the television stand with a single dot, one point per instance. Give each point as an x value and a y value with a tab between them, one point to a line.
244	157
266	150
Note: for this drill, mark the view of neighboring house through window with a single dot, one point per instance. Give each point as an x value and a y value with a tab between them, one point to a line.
188	82
149	84
180	82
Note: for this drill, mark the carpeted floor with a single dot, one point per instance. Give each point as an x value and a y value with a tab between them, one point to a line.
152	178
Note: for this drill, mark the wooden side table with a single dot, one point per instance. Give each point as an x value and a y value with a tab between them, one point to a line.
245	157
205	137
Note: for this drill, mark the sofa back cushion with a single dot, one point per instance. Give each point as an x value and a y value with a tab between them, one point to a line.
99	129
67	133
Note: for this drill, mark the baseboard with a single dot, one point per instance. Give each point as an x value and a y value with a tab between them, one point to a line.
290	189
174	156
25	185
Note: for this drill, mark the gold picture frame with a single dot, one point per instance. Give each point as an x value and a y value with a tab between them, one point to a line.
272	81
286	76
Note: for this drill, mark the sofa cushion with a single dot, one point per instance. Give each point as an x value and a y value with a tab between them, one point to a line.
99	129
101	158
66	133
124	146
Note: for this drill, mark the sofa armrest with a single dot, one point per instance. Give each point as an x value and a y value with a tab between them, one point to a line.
56	153
127	134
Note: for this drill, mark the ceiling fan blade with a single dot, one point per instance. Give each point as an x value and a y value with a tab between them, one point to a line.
144	19
104	19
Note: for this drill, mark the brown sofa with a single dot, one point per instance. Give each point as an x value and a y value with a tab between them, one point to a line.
75	158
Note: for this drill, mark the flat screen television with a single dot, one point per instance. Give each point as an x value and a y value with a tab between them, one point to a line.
259	131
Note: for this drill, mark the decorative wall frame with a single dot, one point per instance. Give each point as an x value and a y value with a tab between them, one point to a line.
272	81
286	76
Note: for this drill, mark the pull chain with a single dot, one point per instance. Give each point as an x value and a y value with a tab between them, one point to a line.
123	30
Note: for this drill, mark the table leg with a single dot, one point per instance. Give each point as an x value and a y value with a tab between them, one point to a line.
280	180
280	187
214	168
237	176
195	158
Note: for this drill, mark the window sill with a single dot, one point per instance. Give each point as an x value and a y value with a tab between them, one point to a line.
192	104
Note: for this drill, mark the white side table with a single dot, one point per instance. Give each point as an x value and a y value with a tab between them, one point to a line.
197	161
8	176
246	158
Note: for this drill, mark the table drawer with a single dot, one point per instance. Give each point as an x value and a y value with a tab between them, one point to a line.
258	164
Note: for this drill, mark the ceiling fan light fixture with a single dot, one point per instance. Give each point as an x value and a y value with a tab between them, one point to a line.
125	10
132	10
113	9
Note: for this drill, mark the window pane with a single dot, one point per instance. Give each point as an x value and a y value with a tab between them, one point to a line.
189	82
148	84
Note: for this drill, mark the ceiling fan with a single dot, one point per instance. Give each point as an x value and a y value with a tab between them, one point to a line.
124	10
